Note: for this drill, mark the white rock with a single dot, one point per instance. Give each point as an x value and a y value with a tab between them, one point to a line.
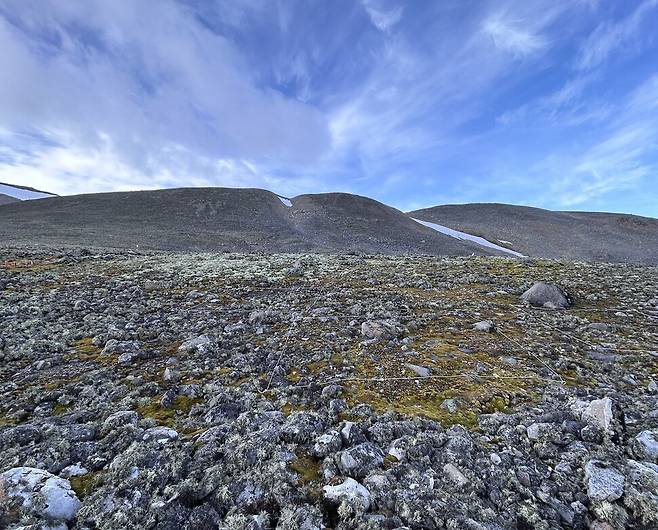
645	445
485	325
76	470
200	343
604	483
455	475
160	434
349	490
597	412
43	494
420	371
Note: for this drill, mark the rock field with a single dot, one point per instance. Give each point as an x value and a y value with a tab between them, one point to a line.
242	391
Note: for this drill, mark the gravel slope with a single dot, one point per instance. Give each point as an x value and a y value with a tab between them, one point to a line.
541	233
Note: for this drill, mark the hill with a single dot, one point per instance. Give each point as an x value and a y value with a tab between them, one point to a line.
589	236
225	219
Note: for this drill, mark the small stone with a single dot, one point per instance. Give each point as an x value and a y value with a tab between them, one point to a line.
161	435
202	344
420	371
455	475
451	405
604	483
171	376
486	326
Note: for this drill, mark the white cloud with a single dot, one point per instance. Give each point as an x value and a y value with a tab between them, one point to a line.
609	37
381	16
153	81
513	36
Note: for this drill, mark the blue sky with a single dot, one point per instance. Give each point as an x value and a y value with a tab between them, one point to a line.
545	103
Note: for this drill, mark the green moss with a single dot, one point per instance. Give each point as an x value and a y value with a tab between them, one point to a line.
307	467
60	409
83	485
168	416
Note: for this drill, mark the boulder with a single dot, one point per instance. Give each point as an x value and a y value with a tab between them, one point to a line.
359	460
546	295
44	495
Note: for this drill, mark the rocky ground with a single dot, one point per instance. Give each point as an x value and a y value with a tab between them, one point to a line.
254	392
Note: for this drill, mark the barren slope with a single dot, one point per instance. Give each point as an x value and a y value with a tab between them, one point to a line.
223	219
548	234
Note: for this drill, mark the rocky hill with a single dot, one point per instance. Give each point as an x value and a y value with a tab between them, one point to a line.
225	219
7	199
541	233
206	391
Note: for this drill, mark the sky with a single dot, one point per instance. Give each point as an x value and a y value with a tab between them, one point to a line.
541	103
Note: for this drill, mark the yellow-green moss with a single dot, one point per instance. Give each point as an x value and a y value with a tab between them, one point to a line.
83	485
308	468
168	416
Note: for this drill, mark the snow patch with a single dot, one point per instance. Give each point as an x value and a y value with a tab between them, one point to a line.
468	237
21	194
286	202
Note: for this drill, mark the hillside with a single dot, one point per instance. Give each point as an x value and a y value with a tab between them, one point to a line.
589	236
224	219
7	199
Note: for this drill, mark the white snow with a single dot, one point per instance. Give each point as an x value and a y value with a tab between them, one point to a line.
505	242
468	237
286	202
21	194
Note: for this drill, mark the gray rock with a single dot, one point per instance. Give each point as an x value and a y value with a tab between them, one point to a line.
645	446
485	325
161	435
546	295
604	483
202	344
359	460
420	371
455	475
44	495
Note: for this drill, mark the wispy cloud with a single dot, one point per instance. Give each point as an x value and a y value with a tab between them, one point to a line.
383	17
611	36
512	36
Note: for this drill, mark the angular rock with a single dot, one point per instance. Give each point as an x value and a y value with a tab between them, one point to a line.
359	460
349	490
645	446
604	483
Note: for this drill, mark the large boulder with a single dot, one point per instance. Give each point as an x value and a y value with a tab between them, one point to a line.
546	295
44	495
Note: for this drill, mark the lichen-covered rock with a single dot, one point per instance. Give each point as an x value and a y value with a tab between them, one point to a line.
47	497
604	482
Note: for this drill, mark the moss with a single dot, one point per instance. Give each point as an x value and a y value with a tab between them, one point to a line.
60	409
308	468
83	485
168	416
